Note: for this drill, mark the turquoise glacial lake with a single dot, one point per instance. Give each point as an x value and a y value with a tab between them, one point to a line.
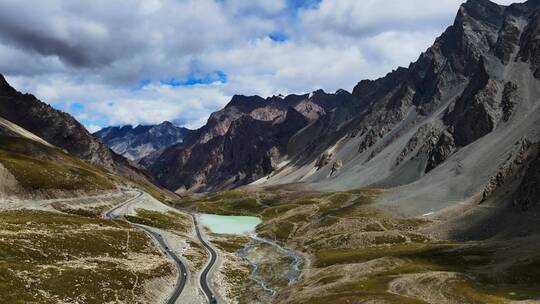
225	224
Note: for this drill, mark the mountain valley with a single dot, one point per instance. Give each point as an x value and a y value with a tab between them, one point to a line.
422	186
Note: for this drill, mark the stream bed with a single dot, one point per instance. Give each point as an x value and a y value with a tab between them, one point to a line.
245	225
293	273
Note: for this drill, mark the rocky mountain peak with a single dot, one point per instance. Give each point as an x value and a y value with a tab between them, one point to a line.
54	126
167	124
448	116
5	88
249	127
480	11
3	81
62	131
246	102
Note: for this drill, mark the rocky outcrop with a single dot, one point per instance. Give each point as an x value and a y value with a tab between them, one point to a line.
425	136
509	34
509	100
323	160
335	167
444	147
527	195
530	42
474	114
511	168
370	139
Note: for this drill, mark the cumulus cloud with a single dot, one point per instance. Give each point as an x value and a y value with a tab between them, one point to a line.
101	104
371	17
145	61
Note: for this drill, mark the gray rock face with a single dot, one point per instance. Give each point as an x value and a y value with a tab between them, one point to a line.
240	143
323	160
528	193
444	147
136	143
530	41
422	141
509	100
512	168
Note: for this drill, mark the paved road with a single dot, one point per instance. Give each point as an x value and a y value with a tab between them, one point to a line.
182	277
109	214
204	275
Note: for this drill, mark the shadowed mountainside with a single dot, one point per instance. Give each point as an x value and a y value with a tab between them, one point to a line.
245	140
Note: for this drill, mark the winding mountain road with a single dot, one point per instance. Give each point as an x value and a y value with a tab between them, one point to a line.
182	277
204	275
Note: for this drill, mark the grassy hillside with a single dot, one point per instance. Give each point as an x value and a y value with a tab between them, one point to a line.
39	167
98	261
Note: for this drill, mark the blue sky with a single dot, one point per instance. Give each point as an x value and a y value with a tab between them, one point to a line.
191	80
146	61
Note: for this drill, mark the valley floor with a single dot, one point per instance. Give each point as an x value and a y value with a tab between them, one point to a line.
346	249
356	253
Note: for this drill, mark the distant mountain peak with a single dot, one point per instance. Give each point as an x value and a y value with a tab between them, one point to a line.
136	143
167	123
480	11
5	87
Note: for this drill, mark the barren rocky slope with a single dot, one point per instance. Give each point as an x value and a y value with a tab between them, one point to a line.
246	140
438	131
443	129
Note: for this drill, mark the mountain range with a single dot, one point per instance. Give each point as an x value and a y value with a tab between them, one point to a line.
455	124
136	143
444	129
245	140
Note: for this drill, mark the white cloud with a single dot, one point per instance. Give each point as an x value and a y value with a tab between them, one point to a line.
97	52
370	17
151	104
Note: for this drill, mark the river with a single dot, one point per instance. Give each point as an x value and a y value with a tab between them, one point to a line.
246	225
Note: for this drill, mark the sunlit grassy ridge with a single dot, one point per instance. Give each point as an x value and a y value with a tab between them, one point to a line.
52	257
41	168
38	167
